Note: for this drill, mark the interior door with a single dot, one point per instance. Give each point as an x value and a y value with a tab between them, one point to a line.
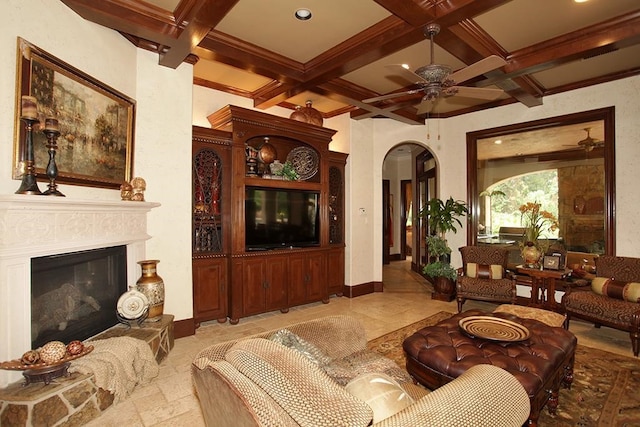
386	218
426	183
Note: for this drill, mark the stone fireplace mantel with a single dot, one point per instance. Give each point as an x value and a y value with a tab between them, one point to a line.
34	226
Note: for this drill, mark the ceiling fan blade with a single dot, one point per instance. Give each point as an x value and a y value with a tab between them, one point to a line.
406	74
477	92
426	106
392	95
485	65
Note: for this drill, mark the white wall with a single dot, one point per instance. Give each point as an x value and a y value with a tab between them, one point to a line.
450	152
163	128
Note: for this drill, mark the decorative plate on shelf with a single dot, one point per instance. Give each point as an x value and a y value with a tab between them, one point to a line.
304	161
19	365
493	328
132	304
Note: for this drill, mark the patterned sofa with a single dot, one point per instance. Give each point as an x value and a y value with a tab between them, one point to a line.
613	299
256	381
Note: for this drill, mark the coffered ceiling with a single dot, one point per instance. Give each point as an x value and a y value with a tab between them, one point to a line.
339	57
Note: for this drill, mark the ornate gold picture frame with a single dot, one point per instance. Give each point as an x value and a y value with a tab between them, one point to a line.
95	147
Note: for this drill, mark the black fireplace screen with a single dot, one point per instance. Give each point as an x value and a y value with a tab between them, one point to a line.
74	295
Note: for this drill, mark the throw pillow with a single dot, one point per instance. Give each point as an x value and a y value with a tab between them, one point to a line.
298	385
484	271
293	341
382	393
627	291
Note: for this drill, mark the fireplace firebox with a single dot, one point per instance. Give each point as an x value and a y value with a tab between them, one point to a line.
74	295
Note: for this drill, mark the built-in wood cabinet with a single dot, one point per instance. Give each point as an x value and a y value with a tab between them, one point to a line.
210	208
229	163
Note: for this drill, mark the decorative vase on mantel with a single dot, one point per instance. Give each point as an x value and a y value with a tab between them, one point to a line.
531	255
152	286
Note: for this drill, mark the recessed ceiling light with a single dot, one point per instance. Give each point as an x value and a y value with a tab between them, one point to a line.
580	1
497	141
303	14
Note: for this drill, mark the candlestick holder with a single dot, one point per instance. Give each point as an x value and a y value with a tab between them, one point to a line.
52	169
29	184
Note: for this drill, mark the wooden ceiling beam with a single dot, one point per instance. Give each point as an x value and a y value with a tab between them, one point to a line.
196	18
139	19
595	40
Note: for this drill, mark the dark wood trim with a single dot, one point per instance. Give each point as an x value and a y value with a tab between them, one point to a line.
184	328
362	289
606	114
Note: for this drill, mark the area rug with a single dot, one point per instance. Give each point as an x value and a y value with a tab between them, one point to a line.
605	390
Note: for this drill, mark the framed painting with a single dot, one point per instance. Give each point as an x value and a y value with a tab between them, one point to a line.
95	146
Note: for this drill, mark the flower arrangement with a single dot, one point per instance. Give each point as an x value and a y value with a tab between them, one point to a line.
536	221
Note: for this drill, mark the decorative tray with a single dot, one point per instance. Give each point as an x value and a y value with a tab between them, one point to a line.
304	161
493	328
18	365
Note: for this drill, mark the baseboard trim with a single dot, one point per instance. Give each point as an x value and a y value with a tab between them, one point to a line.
184	328
362	289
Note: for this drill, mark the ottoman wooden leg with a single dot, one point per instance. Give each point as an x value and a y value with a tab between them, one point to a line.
552	403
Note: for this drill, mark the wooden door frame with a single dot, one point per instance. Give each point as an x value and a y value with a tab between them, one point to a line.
386	194
403	217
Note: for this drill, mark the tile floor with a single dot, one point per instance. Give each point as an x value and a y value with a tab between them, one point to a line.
170	401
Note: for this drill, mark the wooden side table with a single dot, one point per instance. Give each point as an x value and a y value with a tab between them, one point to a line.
543	285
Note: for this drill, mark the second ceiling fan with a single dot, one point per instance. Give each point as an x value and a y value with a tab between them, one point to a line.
436	80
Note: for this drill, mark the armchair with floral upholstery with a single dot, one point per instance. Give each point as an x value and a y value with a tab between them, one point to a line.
484	275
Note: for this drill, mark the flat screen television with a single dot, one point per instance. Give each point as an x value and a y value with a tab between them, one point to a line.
277	218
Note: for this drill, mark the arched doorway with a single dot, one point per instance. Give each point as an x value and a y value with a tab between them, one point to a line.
408	174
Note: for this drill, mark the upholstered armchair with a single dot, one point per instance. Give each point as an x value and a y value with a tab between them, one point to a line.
484	275
613	299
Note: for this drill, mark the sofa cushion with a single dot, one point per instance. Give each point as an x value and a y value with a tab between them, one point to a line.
298	385
382	393
627	291
484	271
293	341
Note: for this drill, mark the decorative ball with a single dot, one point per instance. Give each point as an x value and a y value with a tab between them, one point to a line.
267	153
30	357
75	347
53	351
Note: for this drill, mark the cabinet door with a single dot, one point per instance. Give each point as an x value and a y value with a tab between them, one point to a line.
307	278
316	277
276	276
209	289
297	282
254	285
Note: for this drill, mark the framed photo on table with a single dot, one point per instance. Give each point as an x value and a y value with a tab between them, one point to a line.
551	262
95	146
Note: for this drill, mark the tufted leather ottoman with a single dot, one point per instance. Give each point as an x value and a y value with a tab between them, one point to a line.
438	354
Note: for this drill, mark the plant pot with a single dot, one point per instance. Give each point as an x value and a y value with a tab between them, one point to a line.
444	289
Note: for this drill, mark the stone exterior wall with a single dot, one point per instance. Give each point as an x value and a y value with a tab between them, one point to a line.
581	209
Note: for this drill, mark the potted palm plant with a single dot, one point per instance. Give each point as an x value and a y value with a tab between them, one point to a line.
443	216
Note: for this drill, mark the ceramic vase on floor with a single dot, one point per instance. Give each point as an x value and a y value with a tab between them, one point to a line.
152	286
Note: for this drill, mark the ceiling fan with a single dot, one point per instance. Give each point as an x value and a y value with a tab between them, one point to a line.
436	80
589	143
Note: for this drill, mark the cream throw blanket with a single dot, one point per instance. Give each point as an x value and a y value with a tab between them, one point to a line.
119	364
